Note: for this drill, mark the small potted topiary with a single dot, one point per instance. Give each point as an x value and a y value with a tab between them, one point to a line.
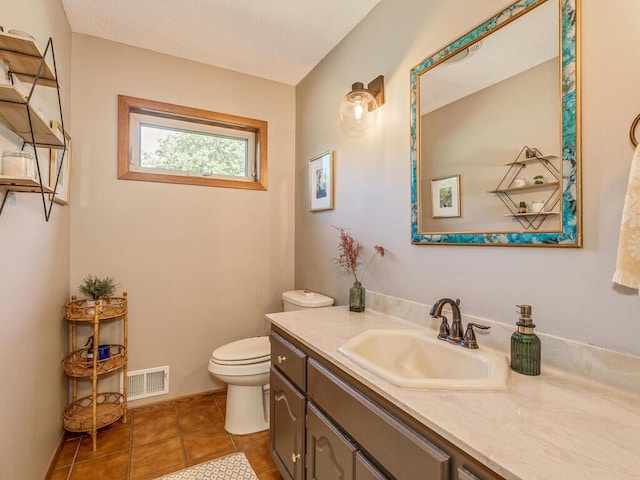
98	288
538	179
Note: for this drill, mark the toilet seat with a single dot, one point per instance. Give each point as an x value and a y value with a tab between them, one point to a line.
248	358
248	351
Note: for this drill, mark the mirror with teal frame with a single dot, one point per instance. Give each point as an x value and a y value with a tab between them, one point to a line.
478	183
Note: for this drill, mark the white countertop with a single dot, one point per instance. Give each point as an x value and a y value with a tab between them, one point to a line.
551	426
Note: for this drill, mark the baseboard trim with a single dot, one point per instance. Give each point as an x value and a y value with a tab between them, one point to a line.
54	458
174	402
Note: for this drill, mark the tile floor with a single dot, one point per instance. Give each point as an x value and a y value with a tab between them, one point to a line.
162	438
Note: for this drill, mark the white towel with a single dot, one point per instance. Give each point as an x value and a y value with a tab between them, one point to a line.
628	262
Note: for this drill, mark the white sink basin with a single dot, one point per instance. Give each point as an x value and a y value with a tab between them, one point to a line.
412	359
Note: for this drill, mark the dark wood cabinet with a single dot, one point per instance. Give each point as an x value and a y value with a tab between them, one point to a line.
288	408
325	425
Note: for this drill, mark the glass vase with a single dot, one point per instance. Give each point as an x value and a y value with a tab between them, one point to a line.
356	297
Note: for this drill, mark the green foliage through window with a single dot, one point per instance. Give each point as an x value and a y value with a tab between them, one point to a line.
186	151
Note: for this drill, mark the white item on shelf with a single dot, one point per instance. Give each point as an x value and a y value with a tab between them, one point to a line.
536	207
23	87
18	164
19	33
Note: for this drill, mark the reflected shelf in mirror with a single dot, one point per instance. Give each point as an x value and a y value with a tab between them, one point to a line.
513	187
531	214
536	186
524	161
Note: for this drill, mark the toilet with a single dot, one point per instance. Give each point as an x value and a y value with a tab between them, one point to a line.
244	366
302	299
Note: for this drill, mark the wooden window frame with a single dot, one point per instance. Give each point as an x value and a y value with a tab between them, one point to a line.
128	105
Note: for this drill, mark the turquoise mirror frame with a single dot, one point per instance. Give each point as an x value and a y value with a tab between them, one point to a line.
571	234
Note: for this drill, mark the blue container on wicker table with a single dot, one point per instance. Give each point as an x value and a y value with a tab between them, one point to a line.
103	352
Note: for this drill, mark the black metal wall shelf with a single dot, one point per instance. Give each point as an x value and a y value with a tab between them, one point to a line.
25	62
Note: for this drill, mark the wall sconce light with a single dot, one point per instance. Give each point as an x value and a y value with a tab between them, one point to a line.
359	107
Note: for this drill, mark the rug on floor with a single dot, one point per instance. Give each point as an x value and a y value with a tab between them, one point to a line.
232	467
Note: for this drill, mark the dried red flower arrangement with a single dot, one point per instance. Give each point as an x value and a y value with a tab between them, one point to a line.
350	251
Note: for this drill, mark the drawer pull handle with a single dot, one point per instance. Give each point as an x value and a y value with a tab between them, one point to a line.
281	359
295	457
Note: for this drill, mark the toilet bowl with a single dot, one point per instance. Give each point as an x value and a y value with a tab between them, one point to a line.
244	366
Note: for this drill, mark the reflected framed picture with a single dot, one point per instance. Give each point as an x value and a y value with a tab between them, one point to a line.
321	182
445	197
61	195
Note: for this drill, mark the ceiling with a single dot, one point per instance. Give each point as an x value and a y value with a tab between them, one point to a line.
528	41
280	40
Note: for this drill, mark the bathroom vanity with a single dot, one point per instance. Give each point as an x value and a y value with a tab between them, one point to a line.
331	418
341	430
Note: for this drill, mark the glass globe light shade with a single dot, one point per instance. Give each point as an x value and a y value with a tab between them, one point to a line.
358	111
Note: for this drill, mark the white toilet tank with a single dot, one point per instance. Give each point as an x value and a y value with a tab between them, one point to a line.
301	299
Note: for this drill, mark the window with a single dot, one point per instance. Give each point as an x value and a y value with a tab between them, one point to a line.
159	142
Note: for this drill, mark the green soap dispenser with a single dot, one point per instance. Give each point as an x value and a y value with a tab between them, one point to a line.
525	345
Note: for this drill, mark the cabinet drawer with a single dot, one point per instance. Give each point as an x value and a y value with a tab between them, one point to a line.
286	438
289	360
405	454
330	455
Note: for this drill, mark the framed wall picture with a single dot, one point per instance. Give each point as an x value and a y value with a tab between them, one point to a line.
321	182
61	195
445	197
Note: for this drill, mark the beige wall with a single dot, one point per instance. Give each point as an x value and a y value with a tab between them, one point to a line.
521	110
201	265
570	289
34	266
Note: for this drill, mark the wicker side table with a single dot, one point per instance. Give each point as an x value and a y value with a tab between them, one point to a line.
91	412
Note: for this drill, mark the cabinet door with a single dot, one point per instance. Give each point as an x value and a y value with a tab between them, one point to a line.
330	455
288	407
464	474
366	471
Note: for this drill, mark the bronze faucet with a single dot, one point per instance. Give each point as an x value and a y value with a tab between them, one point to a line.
454	335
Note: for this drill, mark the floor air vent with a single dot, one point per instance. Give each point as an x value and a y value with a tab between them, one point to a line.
147	383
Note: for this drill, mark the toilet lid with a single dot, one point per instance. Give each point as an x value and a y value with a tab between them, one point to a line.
247	350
